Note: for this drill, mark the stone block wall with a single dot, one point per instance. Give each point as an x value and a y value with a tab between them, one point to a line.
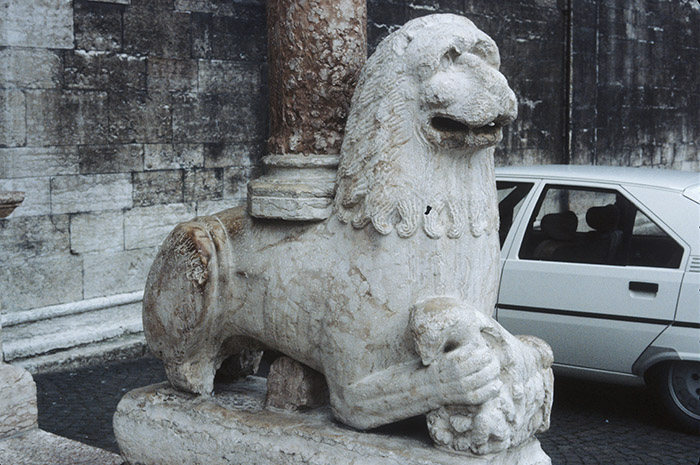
121	118
636	83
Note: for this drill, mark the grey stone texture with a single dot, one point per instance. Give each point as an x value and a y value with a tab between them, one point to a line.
636	89
139	116
37	195
91	232
34	68
84	193
13	124
204	184
158	187
98	26
95	159
217	76
59	117
173	156
26	162
36	23
165	74
110	273
27	340
148	226
104	71
34	236
40	281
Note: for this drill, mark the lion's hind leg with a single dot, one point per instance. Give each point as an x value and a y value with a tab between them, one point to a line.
182	309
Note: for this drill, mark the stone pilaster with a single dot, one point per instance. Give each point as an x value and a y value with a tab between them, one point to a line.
18	411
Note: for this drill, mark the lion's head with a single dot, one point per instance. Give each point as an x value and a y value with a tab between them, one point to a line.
418	150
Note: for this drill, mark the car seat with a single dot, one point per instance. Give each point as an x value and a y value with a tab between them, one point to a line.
604	239
560	242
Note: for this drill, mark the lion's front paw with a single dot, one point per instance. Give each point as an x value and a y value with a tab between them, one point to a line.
468	375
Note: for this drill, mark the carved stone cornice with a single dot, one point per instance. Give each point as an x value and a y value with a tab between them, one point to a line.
9	200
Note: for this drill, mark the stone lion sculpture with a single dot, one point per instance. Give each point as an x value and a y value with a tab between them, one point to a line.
391	297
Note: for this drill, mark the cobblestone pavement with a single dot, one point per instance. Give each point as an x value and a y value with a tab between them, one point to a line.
592	423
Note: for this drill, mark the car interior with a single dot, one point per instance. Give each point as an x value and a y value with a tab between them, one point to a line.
581	225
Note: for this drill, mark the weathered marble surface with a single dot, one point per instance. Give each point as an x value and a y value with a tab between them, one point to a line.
37	447
158	425
391	297
18	411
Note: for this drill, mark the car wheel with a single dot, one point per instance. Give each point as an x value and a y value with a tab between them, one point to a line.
677	385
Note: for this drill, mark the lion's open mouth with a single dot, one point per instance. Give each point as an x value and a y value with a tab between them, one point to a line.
445	124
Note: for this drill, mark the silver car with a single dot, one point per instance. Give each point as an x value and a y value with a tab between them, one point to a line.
603	263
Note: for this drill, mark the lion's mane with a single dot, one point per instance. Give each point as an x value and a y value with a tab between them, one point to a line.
374	186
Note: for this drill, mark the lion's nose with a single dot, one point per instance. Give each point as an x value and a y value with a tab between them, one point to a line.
494	107
510	109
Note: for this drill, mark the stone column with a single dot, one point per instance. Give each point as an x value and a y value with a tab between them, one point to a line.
316	49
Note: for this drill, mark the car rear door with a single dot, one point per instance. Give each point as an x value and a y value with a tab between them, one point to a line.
581	276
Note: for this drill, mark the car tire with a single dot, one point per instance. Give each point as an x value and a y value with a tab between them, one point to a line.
677	386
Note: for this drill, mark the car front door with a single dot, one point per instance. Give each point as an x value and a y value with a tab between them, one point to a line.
592	274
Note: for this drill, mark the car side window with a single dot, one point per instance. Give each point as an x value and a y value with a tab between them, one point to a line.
651	246
599	226
510	199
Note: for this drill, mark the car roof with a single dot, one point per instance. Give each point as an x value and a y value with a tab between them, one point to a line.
661	178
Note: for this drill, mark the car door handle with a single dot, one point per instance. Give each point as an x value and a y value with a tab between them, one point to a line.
646	288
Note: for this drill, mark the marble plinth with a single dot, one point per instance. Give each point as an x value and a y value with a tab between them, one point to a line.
37	447
157	424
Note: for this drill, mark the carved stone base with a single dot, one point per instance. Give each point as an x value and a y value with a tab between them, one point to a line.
295	187
156	425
